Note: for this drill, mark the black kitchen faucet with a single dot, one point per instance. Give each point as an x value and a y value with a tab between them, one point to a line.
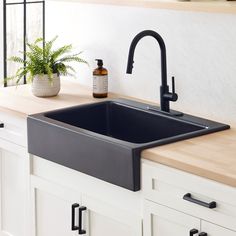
165	95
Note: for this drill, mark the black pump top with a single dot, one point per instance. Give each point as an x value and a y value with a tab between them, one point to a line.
100	62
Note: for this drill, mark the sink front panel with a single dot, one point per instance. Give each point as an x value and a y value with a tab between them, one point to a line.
111	162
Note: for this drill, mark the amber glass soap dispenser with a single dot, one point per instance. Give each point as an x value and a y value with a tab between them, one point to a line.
100	81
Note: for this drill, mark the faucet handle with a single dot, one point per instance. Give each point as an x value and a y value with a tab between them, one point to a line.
173	84
174	95
171	96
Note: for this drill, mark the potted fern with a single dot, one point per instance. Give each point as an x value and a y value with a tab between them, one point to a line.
44	65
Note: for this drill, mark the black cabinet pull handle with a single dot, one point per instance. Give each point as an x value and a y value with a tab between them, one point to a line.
1	125
73	208
203	234
192	232
81	209
188	197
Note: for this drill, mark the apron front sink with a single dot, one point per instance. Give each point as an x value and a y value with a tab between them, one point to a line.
105	139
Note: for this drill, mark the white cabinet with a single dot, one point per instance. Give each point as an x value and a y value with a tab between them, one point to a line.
14	189
51	209
104	219
52	213
163	221
177	202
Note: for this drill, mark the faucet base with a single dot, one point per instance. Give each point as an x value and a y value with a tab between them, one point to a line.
170	113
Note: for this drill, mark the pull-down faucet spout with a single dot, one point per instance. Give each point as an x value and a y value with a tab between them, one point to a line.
165	95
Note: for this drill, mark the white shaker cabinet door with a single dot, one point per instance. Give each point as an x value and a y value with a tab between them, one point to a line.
52	209
163	221
14	190
215	230
103	219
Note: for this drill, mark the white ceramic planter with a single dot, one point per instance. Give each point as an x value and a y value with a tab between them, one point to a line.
42	87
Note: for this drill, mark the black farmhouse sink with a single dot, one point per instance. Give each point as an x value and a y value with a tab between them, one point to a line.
105	139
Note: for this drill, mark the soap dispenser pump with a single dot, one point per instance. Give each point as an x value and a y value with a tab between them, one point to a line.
100	80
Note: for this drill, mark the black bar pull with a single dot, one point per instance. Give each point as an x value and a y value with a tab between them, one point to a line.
188	197
192	232
73	208
81	209
1	125
203	234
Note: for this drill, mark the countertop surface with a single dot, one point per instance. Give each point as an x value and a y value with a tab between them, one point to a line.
211	156
20	99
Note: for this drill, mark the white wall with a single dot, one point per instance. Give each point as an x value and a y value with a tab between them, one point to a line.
1	42
201	52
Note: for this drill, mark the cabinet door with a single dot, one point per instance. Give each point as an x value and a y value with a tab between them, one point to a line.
52	209
103	219
14	190
163	221
215	230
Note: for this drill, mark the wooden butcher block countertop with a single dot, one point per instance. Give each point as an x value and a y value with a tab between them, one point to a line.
20	99
212	156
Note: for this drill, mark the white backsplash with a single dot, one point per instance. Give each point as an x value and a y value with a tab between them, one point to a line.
201	52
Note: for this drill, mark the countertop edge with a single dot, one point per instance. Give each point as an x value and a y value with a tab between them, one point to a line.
192	169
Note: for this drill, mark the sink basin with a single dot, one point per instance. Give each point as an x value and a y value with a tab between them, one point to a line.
105	139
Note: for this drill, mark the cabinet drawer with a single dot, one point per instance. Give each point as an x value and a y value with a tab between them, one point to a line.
168	186
13	129
215	230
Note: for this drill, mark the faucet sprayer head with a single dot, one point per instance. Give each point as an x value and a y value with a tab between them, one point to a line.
129	67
